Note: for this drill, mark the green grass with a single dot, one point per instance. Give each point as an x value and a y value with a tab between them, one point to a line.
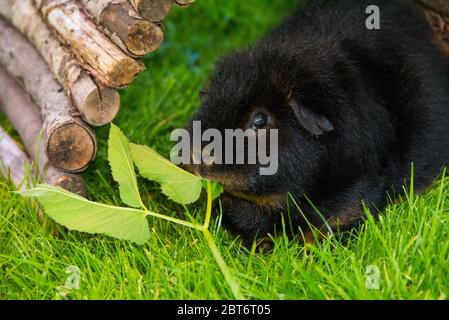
409	244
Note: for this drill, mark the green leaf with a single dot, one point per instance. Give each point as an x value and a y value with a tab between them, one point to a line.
78	213
217	189
122	167
177	184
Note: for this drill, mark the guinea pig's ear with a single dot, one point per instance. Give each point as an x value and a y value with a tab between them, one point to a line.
315	123
203	95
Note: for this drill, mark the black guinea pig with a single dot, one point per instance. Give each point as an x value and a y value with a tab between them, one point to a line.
354	109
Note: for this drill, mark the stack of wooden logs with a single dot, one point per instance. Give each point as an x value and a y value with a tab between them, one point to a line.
61	63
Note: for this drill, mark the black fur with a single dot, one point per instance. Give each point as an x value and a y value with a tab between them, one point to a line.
386	93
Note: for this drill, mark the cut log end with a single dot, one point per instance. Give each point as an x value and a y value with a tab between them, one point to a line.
101	106
70	182
153	11
137	36
184	3
144	37
71	147
98	105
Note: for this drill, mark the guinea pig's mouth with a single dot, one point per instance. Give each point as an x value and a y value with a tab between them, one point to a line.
230	181
237	185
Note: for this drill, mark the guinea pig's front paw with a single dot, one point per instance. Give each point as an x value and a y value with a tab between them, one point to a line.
263	245
247	219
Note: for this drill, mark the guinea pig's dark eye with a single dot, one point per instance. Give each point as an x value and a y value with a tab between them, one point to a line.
260	121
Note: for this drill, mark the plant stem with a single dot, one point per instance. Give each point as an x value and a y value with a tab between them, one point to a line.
216	252
232	282
209	206
222	265
177	221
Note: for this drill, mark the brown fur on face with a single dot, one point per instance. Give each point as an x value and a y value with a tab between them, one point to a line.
230	181
237	184
272	201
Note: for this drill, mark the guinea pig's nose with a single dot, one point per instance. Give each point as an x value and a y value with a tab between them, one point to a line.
198	158
209	160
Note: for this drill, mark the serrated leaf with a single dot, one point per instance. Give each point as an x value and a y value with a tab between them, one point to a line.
78	213
183	193
122	166
177	184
